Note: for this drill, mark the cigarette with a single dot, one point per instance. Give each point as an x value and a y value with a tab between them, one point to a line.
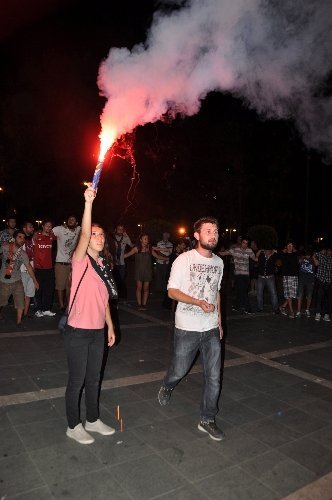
118	411
121	427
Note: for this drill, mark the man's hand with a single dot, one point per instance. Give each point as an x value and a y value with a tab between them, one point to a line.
208	308
111	337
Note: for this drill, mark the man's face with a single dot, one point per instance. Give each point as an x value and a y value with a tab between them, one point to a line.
329	252
166	236
71	222
244	244
290	247
29	229
208	236
20	239
47	227
119	230
11	223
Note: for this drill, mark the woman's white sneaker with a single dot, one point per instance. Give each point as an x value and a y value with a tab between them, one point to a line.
100	427
79	435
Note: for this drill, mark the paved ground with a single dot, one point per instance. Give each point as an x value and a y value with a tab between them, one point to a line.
275	408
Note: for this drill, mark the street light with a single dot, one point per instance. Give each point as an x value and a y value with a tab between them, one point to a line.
182	231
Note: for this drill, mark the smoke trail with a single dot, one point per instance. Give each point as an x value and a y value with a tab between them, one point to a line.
276	56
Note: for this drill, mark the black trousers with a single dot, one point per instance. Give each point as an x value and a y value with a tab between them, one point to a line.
324	297
85	351
241	291
44	296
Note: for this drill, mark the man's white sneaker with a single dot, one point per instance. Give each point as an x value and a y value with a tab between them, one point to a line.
48	313
307	313
79	435
298	315
100	427
39	314
317	317
326	317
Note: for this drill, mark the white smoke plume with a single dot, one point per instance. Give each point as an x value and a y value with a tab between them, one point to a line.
275	55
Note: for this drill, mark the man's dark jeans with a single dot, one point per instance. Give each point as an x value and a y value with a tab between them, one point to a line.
186	345
85	350
44	296
270	283
241	291
119	274
324	297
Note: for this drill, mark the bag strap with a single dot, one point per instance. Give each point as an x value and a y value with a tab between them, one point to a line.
77	288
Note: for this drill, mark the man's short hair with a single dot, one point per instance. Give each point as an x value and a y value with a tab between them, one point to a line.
204	220
18	231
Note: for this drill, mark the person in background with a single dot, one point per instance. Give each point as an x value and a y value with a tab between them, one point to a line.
7	234
121	240
44	270
28	283
13	256
84	335
143	268
67	236
179	248
306	282
165	248
323	261
290	270
266	278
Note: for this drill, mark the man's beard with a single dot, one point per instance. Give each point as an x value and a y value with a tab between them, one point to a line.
209	246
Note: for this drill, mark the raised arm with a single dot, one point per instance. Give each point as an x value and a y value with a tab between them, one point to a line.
80	252
131	252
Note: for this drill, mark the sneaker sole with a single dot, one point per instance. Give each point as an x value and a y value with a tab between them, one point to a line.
110	433
90	441
163	402
199	427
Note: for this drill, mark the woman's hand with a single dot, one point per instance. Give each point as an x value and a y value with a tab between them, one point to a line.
89	194
111	337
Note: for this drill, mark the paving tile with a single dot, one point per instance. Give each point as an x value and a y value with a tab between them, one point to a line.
18	474
237	413
319	408
10	443
163	435
63	461
265	382
99	485
17	385
42	493
37	411
196	459
147	477
246	371
4	420
120	447
179	405
265	404
310	454
148	390
31	357
184	493
118	396
299	394
39	369
299	421
51	381
323	436
138	413
234	484
237	390
239	446
37	435
12	371
270	432
278	472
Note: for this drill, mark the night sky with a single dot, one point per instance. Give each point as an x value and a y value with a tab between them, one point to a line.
225	161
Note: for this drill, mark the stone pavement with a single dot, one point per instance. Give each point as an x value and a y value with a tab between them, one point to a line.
275	408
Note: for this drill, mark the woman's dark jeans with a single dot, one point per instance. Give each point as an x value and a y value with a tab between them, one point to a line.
85	350
186	345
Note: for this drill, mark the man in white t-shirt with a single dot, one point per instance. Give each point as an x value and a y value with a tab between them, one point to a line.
66	241
195	283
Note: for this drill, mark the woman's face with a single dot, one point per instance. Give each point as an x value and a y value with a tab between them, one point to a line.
97	239
145	240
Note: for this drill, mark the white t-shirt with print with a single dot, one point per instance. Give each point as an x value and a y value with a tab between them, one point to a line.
200	277
66	241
